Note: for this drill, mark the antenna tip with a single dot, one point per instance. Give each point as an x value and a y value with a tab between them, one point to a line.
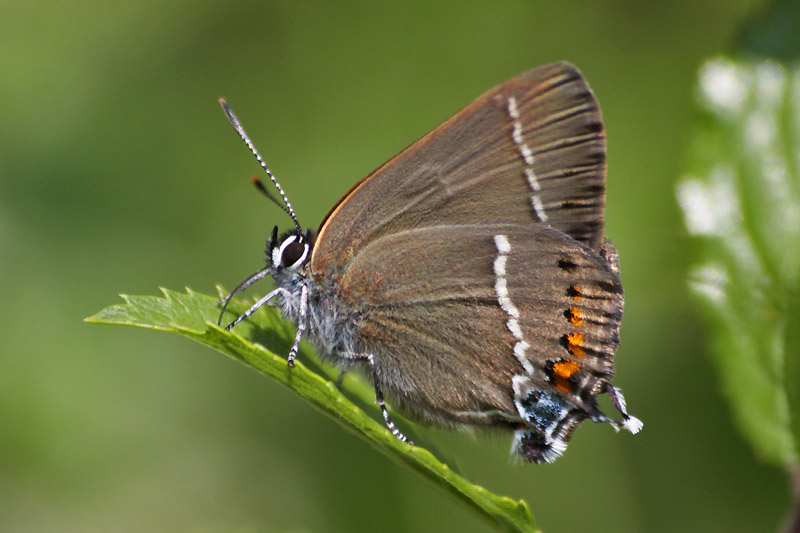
225	107
260	186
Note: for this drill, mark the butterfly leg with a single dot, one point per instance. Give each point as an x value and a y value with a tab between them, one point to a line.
256	306
379	397
301	326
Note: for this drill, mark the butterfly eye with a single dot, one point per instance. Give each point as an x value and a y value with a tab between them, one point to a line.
294	254
291	253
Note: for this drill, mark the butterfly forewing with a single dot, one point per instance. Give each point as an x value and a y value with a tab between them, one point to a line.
531	150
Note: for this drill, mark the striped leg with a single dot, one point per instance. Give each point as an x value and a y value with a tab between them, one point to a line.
301	327
379	397
256	306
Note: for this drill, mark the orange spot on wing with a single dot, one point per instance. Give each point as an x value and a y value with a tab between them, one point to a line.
576	317
563	385
566	368
575	344
562	371
575	291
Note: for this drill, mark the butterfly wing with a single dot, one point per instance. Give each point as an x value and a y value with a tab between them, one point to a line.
476	265
529	150
479	311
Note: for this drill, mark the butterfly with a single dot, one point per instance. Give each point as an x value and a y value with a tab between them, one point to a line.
469	277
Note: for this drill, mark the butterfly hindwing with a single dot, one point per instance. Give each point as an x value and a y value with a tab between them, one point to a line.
519	302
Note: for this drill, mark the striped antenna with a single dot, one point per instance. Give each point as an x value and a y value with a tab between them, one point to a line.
240	130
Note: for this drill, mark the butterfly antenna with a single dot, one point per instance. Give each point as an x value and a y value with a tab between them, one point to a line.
261	274
240	130
263	190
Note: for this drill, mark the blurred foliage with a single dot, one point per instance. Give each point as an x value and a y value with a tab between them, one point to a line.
741	198
193	315
775	32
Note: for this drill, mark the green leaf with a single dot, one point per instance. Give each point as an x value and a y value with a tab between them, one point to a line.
741	201
194	315
773	31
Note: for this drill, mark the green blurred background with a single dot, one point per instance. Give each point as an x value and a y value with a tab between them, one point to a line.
119	173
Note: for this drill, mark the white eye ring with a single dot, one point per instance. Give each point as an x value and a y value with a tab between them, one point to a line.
277	253
302	259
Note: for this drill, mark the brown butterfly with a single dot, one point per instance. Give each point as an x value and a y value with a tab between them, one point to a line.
469	276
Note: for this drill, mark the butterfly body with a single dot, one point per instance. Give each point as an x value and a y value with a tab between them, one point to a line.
469	276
